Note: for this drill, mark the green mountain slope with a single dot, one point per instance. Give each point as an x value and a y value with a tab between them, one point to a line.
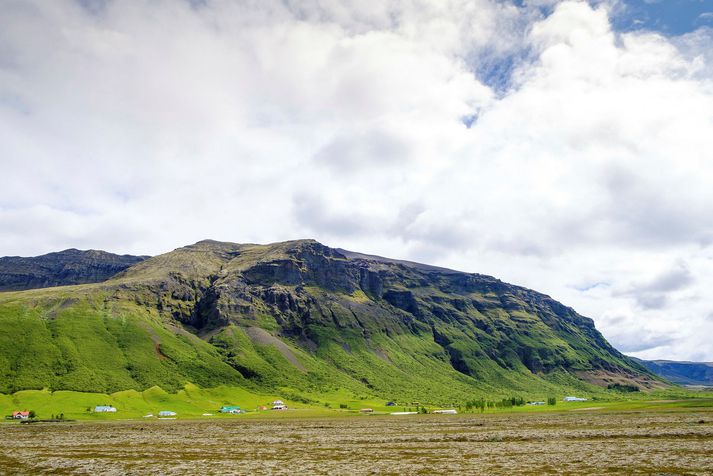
683	373
302	318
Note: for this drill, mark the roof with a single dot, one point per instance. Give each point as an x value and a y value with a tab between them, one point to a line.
21	412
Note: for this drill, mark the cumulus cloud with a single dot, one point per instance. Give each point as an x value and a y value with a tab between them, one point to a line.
366	150
654	294
533	142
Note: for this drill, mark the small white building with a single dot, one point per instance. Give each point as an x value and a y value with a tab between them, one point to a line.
449	411
104	409
279	407
166	413
278	402
574	399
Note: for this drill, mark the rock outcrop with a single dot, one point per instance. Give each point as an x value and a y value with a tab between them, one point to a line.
61	268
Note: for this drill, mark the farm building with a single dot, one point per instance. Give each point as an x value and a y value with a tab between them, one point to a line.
574	399
166	413
20	415
366	410
104	409
230	409
279	407
535	403
449	411
278	402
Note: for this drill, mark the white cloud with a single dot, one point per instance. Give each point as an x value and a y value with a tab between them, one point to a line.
139	126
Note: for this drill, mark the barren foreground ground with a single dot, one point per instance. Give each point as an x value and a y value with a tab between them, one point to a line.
584	442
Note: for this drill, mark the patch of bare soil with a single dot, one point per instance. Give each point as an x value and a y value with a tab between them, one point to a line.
156	342
604	378
261	336
64	304
563	443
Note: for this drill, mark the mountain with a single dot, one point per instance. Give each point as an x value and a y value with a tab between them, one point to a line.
683	373
305	319
61	268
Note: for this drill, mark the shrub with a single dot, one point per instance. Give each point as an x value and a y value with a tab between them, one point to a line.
626	388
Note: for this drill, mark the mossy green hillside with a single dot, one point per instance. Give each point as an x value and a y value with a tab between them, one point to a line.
303	320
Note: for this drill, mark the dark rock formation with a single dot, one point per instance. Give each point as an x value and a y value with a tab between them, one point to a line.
62	268
310	291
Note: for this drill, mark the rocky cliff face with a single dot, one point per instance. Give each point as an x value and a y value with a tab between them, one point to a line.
304	316
61	268
312	295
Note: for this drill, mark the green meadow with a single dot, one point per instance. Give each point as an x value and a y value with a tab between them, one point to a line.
193	402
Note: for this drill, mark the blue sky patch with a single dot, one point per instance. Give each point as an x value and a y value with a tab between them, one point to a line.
668	17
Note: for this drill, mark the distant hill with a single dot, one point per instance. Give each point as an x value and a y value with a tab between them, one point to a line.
61	268
683	373
303	319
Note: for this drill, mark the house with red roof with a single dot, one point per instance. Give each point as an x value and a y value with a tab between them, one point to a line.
20	415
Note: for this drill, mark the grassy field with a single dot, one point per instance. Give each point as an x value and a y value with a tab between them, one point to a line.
193	402
673	438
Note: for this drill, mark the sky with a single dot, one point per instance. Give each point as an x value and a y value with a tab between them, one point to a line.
565	146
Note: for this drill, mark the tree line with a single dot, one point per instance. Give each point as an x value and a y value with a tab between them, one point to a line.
483	404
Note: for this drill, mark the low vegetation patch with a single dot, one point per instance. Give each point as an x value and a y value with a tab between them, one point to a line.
624	388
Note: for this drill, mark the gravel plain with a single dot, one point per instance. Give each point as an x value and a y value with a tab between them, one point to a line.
657	443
